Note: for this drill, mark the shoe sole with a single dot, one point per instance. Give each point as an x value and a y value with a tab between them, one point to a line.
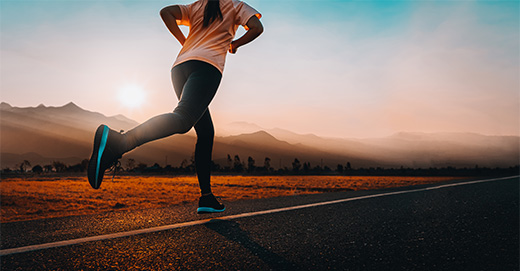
206	210
100	141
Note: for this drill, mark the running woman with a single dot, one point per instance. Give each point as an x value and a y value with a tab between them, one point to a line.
196	75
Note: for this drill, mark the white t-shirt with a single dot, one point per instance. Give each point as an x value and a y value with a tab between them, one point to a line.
210	44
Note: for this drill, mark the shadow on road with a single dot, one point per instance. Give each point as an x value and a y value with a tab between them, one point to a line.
231	230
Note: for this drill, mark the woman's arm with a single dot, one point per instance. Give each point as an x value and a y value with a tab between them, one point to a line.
169	16
255	29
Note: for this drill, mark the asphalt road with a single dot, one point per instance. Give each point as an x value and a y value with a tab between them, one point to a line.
465	227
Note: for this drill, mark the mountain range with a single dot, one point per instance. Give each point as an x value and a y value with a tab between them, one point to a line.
44	134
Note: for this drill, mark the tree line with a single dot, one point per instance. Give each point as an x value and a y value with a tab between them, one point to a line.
56	166
234	165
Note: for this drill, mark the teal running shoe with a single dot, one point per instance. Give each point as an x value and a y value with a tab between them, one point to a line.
210	204
106	153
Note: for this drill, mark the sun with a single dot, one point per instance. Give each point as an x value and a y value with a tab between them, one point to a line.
131	96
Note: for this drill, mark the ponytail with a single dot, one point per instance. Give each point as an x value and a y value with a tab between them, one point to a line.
212	12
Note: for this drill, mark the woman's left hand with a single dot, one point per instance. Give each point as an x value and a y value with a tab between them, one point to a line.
233	47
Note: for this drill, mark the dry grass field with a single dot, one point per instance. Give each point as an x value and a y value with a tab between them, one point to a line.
45	197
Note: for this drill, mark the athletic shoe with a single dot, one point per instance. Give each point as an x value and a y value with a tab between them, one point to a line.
106	152
209	204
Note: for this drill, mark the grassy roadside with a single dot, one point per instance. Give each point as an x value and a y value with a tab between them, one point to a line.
45	197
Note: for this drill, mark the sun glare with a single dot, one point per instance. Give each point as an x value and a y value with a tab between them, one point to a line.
131	96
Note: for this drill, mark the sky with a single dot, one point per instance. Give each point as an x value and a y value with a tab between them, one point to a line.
331	68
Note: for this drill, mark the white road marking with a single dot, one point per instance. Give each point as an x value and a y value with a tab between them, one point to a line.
9	251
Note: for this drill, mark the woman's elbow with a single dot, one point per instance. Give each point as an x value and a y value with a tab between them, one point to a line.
168	11
260	29
255	26
163	11
257	29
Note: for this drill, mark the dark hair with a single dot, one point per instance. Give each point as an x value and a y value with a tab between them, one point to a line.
212	12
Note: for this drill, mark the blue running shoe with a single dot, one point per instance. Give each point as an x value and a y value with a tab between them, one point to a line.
106	153
209	204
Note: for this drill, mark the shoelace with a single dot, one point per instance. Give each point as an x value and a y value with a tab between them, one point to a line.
218	199
117	163
115	167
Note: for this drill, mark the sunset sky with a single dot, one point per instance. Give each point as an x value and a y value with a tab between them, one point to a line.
332	68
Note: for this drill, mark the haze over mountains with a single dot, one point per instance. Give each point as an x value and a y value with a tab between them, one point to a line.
44	134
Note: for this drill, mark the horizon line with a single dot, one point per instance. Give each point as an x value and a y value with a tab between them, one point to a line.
72	103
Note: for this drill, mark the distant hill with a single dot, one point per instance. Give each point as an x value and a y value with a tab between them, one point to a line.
409	149
66	133
44	134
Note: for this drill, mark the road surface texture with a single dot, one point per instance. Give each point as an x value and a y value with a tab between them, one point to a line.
457	226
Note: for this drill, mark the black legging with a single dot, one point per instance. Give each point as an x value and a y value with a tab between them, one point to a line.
195	83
